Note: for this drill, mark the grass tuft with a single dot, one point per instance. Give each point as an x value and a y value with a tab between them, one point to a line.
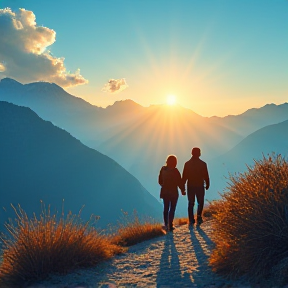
133	231
37	247
251	223
181	221
52	244
209	211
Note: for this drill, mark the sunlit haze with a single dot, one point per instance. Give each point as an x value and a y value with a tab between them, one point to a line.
219	57
96	98
171	99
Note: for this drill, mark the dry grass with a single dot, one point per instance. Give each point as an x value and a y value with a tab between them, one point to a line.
207	214
49	244
133	231
251	223
181	221
209	211
39	246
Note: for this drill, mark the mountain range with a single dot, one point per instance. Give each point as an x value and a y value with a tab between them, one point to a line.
140	138
254	118
272	139
41	162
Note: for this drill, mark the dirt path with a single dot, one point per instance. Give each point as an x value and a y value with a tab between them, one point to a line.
178	259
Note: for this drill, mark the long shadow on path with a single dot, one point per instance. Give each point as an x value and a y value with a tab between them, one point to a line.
206	238
203	275
169	273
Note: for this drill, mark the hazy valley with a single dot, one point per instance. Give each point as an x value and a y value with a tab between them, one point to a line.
139	139
42	162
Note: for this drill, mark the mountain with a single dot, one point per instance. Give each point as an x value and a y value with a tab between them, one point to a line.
268	140
140	138
39	161
254	119
133	135
143	146
86	122
52	103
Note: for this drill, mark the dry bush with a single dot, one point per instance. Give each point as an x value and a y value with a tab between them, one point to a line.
280	271
207	215
209	211
251	223
181	221
39	246
132	231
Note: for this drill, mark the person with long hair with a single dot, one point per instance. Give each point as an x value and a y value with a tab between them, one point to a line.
169	180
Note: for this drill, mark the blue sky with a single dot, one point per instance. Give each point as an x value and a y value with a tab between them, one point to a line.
217	57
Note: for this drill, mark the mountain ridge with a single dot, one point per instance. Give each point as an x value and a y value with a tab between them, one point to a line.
140	139
7	82
40	161
269	140
254	118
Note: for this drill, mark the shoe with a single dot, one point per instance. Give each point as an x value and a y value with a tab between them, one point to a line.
191	222
171	227
165	228
199	220
191	225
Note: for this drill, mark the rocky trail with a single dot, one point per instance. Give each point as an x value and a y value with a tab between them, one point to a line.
178	259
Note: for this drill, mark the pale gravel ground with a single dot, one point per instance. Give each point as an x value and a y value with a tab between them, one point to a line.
178	259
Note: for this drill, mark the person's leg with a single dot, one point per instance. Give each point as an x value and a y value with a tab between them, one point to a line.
191	201
166	203
200	192
173	204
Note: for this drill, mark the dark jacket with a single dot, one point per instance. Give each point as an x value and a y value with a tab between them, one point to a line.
170	180
196	172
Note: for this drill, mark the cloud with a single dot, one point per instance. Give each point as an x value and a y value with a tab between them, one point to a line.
2	67
23	49
115	85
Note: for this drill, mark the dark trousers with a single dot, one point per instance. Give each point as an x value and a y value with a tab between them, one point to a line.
199	192
169	209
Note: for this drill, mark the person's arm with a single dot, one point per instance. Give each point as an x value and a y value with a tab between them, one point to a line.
180	183
206	177
184	177
160	178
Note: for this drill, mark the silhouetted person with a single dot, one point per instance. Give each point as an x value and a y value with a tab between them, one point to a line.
170	179
196	172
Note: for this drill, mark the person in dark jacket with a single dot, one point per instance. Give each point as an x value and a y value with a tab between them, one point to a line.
196	172
170	179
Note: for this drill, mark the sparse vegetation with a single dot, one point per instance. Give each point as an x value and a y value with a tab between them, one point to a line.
207	215
133	231
37	247
181	221
251	224
209	210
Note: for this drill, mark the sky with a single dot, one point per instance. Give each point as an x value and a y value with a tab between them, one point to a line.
217	57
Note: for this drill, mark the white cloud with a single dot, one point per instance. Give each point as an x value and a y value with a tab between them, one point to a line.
2	67
115	85
23	49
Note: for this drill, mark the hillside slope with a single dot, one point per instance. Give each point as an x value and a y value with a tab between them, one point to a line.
268	140
39	161
254	118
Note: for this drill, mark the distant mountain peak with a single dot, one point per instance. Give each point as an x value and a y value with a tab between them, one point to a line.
40	86
127	103
44	86
9	81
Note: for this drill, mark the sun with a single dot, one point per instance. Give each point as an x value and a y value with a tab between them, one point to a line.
171	100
